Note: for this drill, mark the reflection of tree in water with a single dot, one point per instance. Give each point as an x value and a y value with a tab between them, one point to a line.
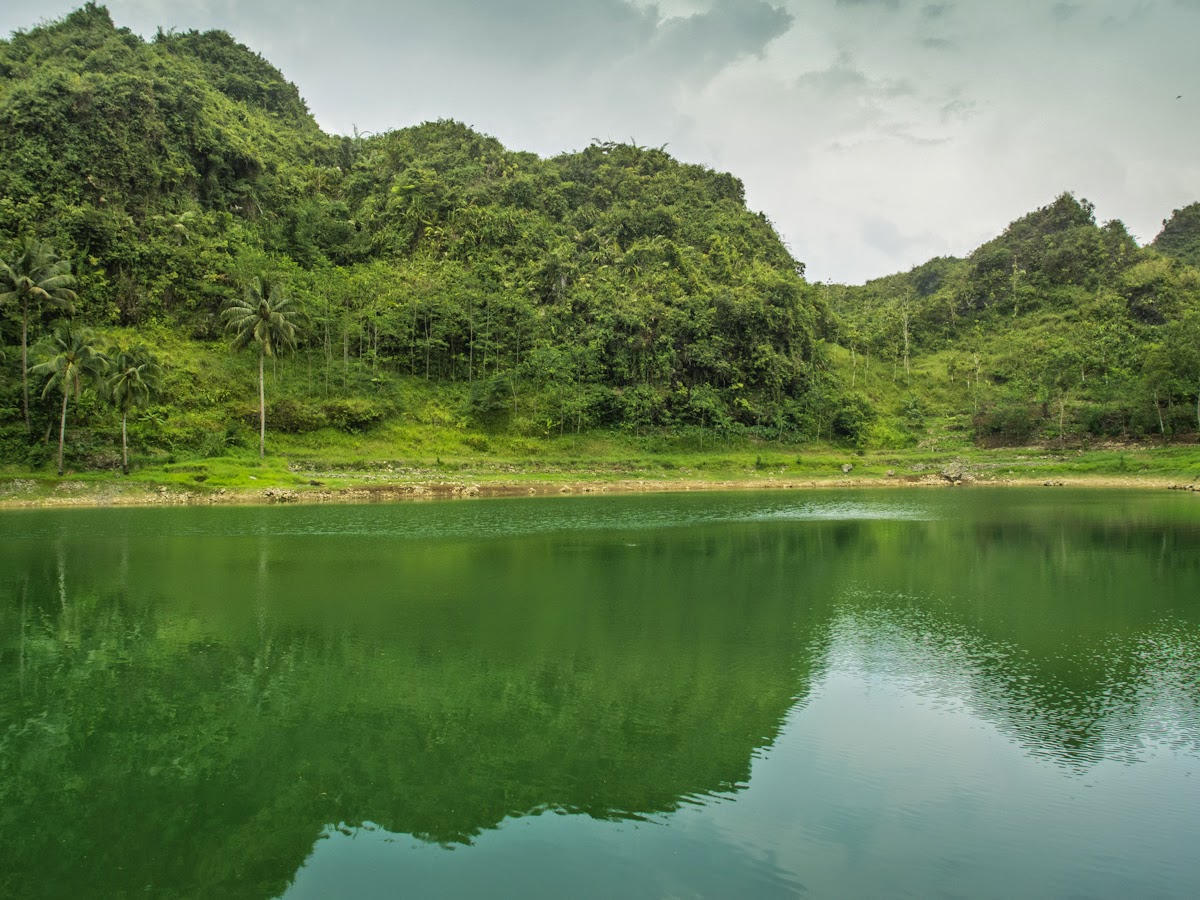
1145	685
1066	626
1092	609
193	716
203	754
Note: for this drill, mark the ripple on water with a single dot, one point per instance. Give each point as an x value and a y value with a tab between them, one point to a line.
474	520
841	510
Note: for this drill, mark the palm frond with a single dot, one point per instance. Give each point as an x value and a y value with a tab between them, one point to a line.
263	315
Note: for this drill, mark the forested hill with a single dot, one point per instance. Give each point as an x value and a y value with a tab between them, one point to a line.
615	285
1060	330
447	281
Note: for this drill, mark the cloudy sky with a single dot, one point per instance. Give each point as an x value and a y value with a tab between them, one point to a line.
875	134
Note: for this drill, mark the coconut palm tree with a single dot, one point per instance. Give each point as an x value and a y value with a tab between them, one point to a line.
265	316
37	275
133	376
77	359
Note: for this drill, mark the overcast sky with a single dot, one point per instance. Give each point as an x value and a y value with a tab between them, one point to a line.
875	134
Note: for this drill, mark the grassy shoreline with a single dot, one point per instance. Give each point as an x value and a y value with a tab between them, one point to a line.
247	480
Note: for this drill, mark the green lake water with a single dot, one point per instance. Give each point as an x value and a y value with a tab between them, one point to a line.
935	693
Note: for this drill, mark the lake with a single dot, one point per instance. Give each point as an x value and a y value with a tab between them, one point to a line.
957	693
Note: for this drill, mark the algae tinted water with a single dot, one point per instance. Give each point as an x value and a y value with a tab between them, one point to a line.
958	693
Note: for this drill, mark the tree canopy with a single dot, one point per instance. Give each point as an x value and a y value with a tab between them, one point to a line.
612	281
1059	328
614	287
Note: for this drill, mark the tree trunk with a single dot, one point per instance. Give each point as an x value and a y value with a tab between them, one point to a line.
124	445
25	361
487	335
1158	409
428	342
412	345
262	408
62	432
24	640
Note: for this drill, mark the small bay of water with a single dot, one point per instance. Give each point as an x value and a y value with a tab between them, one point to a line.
957	693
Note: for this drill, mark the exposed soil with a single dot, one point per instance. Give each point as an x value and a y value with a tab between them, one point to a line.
22	493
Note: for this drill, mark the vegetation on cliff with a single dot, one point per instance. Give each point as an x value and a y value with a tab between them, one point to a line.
1059	330
473	294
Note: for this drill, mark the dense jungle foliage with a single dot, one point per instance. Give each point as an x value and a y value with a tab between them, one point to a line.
450	283
1058	330
611	287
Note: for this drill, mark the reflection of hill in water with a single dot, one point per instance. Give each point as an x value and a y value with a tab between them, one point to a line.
1079	638
1145	689
204	741
190	713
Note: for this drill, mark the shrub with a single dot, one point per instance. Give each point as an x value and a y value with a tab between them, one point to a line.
914	411
1007	422
489	402
352	414
853	417
294	417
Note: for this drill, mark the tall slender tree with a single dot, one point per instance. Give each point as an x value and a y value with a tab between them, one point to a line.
36	275
264	316
134	375
77	360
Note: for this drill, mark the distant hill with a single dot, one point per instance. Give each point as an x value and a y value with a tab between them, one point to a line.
1059	330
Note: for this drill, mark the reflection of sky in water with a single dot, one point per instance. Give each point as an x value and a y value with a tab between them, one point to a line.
1156	703
909	764
908	770
872	785
544	856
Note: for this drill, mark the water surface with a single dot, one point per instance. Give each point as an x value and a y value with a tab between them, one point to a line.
976	693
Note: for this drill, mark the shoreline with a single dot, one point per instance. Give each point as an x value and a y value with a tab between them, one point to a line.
80	494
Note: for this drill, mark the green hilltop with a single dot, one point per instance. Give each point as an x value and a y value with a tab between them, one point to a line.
1058	331
461	298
